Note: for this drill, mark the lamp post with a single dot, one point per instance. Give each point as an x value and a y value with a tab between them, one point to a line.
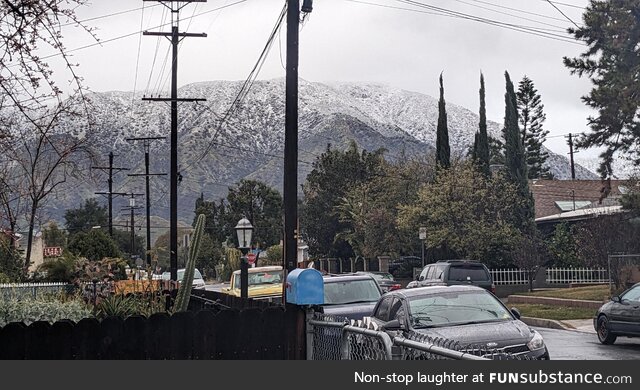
244	230
423	236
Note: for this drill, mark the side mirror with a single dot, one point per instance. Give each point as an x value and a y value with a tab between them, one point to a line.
516	313
392	325
616	299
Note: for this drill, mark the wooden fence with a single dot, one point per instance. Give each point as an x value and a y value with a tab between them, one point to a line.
219	333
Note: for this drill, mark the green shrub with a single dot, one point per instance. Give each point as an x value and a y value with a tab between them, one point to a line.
46	308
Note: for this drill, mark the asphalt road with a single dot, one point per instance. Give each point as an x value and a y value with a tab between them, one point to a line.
574	345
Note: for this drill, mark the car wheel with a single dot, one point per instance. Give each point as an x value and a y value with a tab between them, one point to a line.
604	333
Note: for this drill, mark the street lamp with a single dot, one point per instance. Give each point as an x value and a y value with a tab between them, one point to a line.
422	233
244	230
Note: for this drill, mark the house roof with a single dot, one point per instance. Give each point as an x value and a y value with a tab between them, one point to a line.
553	197
577	215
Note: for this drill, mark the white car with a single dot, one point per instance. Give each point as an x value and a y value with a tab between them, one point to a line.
198	281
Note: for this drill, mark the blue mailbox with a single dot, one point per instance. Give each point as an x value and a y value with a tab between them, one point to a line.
305	287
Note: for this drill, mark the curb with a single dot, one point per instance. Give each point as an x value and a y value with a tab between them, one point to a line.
554	301
546	323
552	324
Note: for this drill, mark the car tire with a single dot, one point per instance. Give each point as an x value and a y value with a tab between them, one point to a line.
604	332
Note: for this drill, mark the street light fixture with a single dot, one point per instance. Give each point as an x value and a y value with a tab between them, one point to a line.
422	234
244	231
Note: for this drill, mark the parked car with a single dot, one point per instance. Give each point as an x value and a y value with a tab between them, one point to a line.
454	272
619	317
352	296
384	279
265	283
198	280
470	315
402	268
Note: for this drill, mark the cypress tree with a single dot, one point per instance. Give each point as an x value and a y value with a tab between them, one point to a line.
482	138
531	117
515	161
443	152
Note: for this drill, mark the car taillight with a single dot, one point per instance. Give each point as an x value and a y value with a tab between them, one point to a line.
395	287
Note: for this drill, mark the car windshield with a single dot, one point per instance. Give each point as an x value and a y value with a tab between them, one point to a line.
260	278
473	273
351	291
632	295
457	308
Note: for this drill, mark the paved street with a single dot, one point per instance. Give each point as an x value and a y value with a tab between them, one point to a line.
575	345
216	286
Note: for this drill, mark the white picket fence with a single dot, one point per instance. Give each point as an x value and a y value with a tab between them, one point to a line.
577	275
516	276
510	276
10	290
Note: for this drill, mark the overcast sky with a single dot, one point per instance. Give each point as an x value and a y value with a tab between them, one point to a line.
347	40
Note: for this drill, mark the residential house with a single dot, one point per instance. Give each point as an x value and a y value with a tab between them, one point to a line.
572	200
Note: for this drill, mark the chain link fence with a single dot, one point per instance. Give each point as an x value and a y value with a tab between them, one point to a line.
335	338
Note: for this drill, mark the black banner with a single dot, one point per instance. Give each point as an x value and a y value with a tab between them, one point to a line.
354	375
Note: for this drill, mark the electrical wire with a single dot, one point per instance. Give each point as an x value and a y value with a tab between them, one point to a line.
563	14
135	78
509	26
245	88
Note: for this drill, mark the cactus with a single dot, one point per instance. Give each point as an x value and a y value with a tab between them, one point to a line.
184	292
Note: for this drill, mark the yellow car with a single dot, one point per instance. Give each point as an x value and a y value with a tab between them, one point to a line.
264	283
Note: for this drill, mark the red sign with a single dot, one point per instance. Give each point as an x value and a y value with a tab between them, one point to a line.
251	258
52	251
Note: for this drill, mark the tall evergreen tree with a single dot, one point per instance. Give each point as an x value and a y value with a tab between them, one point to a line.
515	160
611	30
443	152
482	138
531	116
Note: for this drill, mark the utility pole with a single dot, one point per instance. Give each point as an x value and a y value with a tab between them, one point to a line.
132	207
147	143
110	194
573	168
290	190
175	37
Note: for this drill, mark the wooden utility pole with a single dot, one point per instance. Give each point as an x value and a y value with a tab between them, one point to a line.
132	207
174	36
147	143
110	194
573	168
290	190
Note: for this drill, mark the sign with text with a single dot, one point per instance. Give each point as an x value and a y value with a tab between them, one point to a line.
52	251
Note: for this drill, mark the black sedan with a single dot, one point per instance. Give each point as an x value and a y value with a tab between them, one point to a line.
619	317
470	315
384	279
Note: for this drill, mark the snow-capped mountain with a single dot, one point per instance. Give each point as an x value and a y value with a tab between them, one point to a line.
250	142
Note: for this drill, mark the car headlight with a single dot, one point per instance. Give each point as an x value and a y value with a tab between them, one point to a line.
536	342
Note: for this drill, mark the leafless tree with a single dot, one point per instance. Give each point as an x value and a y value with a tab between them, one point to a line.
27	28
41	158
529	254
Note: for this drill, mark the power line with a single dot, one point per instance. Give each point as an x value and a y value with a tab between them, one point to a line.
560	28
510	26
246	86
564	4
134	33
563	14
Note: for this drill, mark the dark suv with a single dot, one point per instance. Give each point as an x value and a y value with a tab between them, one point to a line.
402	268
454	272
